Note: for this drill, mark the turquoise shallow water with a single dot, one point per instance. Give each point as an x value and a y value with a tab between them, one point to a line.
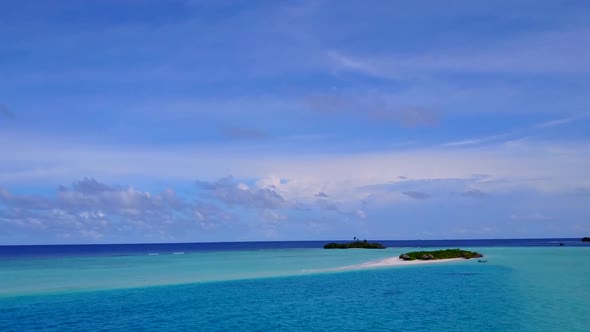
519	289
31	276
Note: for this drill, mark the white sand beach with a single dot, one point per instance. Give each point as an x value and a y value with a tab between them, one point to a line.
391	261
394	261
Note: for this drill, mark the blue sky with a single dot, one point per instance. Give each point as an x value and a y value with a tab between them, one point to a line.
165	121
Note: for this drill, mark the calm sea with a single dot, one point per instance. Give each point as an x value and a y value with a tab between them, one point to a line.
526	285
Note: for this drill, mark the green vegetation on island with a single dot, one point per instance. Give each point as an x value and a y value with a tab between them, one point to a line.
357	244
586	239
440	254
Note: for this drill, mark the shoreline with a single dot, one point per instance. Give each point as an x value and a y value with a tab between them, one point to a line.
387	262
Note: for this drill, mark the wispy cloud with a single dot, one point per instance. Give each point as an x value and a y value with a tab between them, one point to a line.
559	51
519	132
562	121
475	193
530	217
375	109
345	62
476	141
416	195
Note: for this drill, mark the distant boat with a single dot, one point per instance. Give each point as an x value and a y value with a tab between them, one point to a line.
482	261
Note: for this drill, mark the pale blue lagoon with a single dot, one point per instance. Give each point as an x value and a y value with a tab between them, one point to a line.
543	288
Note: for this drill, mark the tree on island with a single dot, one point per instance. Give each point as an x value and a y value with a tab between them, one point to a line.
439	254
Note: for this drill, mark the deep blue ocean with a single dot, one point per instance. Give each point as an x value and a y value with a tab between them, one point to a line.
168	248
526	285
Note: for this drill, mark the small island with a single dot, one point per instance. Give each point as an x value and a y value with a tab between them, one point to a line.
586	239
439	254
357	244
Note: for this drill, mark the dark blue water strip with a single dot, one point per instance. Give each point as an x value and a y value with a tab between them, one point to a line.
32	251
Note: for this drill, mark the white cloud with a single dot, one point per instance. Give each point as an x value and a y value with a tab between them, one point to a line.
294	176
552	52
536	128
562	121
93	210
476	141
530	217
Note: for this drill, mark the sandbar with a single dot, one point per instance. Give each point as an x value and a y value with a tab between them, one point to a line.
391	261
